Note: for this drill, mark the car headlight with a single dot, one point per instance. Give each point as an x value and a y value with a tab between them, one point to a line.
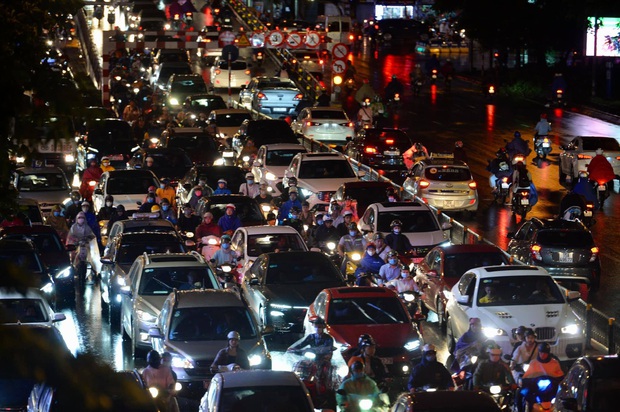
255	360
91	156
20	159
331	245
571	329
271	176
356	257
69	158
174	101
179	361
47	288
365	404
412	345
63	274
222	135
492	332
305	192
219	162
145	316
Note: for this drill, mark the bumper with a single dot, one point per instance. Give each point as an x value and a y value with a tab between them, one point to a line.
277	111
592	273
469	203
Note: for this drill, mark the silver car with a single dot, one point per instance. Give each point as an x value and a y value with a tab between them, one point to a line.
47	185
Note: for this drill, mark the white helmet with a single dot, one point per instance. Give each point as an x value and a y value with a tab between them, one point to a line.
234	335
599	151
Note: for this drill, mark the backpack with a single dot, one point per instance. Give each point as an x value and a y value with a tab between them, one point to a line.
523	180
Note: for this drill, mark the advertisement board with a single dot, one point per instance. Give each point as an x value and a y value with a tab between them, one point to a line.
607	38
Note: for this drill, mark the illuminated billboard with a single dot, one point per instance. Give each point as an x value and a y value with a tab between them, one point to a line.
608	37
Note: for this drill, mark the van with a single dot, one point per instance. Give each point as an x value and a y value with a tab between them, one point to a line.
339	30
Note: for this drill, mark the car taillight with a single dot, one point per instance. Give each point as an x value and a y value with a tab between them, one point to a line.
261	96
584	156
370	150
424	184
321	62
536	252
351	37
218	71
389	141
298	96
350	124
247	72
518	158
309	124
473	185
594	251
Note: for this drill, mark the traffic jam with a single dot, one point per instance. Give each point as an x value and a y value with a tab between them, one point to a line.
218	233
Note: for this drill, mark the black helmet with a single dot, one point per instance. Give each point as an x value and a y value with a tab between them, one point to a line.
501	153
352	226
153	358
109	198
520	330
396	222
317	321
292	181
378	235
75	195
390	191
357	365
544	348
517	134
120	207
392	253
365	340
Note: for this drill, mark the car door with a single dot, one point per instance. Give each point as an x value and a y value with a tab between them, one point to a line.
253	284
258	168
238	245
460	311
127	301
430	280
245	95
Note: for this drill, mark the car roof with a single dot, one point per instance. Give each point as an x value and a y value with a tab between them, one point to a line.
470	248
601	366
251	378
320	156
205	298
30	293
267	230
178	259
559	224
507	270
352	292
399	206
283	146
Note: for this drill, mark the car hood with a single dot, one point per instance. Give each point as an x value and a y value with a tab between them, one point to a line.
276	170
206	350
386	336
56	260
296	294
53	198
324	185
534	316
426	238
129	201
152	303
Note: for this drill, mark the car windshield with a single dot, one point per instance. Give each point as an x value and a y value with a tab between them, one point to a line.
211	323
110	136
455	265
295	268
129	252
593	143
42	182
231	119
162	281
570	239
447	173
209	102
172	164
272	398
23	310
276	83
191	142
281	157
259	244
187	86
328	114
413	221
325	169
519	291
24	259
127	185
366	311
247	211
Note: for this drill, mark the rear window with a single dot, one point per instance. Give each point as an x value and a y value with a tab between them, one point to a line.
231	120
188	86
23	310
447	174
457	264
607	144
281	157
42	182
276	83
565	238
326	169
211	103
328	114
389	138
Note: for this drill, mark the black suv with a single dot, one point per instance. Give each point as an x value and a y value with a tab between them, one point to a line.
379	148
564	248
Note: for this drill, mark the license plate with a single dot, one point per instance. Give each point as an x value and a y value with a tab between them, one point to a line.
280	109
602	188
525	201
565	257
448	203
587	213
545	144
116	157
391	153
387	361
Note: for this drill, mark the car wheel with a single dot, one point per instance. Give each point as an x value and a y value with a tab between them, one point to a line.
450	336
441	320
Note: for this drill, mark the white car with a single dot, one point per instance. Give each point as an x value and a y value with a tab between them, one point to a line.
419	224
28	308
224	123
127	186
521	295
319	175
47	185
271	163
325	124
577	154
239	74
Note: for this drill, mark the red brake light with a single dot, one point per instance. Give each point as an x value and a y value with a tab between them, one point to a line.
298	96
472	185
350	124
370	150
351	37
584	156
389	141
424	184
261	96
308	123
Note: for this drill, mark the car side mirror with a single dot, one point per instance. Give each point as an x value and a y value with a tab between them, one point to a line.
463	300
58	317
573	295
570	404
106	261
446	226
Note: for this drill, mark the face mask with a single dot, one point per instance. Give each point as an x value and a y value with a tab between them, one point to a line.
188	213
165	208
225	245
352	233
430	358
150	200
56	214
392	261
108	204
319	222
404	274
198	193
85	209
81	220
391	199
162	186
370	252
396	231
250	182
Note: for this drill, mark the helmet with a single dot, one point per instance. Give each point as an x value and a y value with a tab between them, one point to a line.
583	173
347	213
85	203
271	216
376	99
292	190
222	181
231	206
366	102
429	347
292	181
120	207
459	143
151	189
226	238
249	175
153	358
105	159
544	348
501	153
148	159
357	365
503	166
390	191
517	134
295	209
530	332
75	195
396	222
109	198
543	115
365	340
599	151
366	81
392	253
520	330
233	335
328	218
405	268
378	235
418	146
317	321
155	208
370	245
352	226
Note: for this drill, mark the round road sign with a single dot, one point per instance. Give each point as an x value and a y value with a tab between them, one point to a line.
275	38
257	39
294	40
227	37
312	39
340	51
339	66
230	51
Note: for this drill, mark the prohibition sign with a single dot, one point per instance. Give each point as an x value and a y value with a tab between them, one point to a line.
275	38
257	39
339	66
340	50
312	39
294	40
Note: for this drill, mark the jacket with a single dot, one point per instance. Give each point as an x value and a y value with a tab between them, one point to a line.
223	358
231	223
369	264
356	389
550	368
496	373
430	373
600	170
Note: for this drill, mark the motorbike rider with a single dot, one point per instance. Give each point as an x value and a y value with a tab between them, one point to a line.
523	354
72	208
417	75
189	222
447	70
92	221
493	371
120	214
391	194
358	386
459	152
156	376
81	234
231	357
521	178
430	373
147	206
229	222
542	128
166	191
207	227
365	352
292	182
600	171
58	222
167	212
336	214
352	241
382	248
349	72
405	283
92	172
544	364
365	93
324	100
364	114
319	341
432	63
106	212
379	113
370	262
263	195
396	240
393	88
312	229
249	149
517	146
249	188
105	164
306	216
286	207
390	270
225	255
499	167
293	220
584	187
415	153
222	188
326	232
472	340
343	228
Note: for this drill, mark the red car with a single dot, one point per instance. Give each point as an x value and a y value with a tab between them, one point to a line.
352	311
443	266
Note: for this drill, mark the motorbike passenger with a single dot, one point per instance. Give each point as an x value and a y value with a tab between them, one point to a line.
370	262
405	283
189	222
382	248
293	220
521	178
430	373
572	206
415	153
232	357
517	146
396	240
225	255
82	235
106	212
493	371
326	232
312	229
600	172
358	386
365	352
393	88
222	188
249	188
59	223
105	164
286	207
391	270
352	241
320	342
364	114
343	228
544	364
459	151
417	75
166	191
524	354
156	376
584	187
365	94
229	222
167	212
392	195
292	182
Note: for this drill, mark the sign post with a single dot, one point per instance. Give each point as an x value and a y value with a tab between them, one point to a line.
231	53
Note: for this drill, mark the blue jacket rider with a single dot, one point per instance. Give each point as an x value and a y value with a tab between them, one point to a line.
230	221
371	262
285	209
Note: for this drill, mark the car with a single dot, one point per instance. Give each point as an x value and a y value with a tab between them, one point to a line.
141	222
525	295
203	103
319	175
22	256
52	250
245	207
29	307
396	32
578	152
234	175
127	186
444	183
442	401
362	193
47	185
201	147
168	162
589	385
193	325
379	148
105	137
312	61
566	249
119	256
180	86
325	124
223	78
151	279
352	311
275	96
224	123
152	19
271	162
263	131
171	55
280	286
444	265
419	224
251	242
166	69
280	390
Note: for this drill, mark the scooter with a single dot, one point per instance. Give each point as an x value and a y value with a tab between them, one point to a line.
539	393
359	403
318	374
602	192
542	146
521	202
502	189
434	75
210	245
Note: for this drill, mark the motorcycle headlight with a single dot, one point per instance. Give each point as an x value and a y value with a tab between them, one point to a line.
154	392
571	329
174	101
246	158
365	404
266	208
409	297
331	245
179	361
154	140
343	371
271	176
219	162
63	274
145	316
228	154
69	158
255	360
495	390
20	159
412	345
356	257
492	332
121	281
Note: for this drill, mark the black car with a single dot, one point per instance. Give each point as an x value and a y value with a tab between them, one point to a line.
233	175
362	193
120	254
246	208
168	162
379	148
264	131
566	249
397	32
203	103
591	384
201	147
280	286
105	137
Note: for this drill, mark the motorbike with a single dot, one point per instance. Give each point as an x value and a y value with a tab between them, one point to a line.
411	300
521	202
542	146
210	245
79	257
360	403
87	188
349	85
246	162
558	99
434	75
502	189
350	262
539	393
267	208
503	395
416	86
188	238
164	399
602	192
465	367
229	277
319	376
585	216
489	91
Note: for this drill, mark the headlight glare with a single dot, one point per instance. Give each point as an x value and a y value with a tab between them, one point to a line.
270	176
181	362
492	332
412	345
146	316
571	329
63	274
255	360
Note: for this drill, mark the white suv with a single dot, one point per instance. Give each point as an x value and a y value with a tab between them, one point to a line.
506	297
319	175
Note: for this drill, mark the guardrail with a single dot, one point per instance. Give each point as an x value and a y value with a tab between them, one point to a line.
93	68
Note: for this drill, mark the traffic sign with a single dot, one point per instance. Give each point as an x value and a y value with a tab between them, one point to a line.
257	39
275	38
231	50
243	41
294	40
340	51
226	37
312	39
339	66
